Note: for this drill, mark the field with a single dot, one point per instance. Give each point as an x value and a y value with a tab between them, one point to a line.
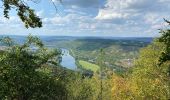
119	52
89	66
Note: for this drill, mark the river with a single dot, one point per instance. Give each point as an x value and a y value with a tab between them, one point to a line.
68	61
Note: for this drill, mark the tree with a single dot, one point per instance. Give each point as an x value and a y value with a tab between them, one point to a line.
147	80
20	77
26	14
165	39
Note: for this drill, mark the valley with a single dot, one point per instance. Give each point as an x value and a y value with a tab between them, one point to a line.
83	52
119	53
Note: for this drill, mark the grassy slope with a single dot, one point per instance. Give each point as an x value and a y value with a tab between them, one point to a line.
89	66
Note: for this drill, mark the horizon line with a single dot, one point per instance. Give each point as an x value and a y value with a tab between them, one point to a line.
83	36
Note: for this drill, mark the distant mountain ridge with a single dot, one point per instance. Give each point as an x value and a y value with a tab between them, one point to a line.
21	39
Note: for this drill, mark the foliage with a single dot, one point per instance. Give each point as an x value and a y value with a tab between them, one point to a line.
19	77
120	88
84	90
165	38
88	88
26	14
147	80
30	71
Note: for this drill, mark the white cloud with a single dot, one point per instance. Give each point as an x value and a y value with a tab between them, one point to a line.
114	17
129	8
11	20
109	14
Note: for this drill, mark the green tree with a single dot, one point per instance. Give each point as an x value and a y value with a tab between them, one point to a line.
25	13
165	39
20	77
147	80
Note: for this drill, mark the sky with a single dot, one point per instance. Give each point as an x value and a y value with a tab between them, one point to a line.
115	18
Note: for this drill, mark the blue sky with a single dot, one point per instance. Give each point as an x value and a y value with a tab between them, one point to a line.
116	18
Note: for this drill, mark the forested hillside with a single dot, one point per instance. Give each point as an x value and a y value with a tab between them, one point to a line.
104	68
26	73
